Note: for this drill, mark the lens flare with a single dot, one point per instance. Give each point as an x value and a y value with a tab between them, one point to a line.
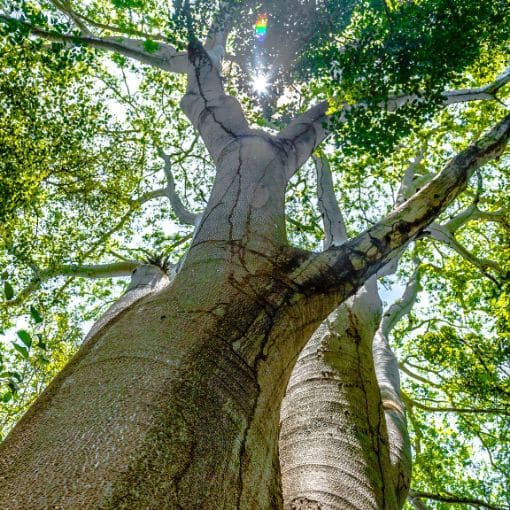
261	27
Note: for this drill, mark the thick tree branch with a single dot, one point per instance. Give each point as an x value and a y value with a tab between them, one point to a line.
308	130
453	499
304	134
344	269
164	57
335	233
217	116
145	279
83	22
388	378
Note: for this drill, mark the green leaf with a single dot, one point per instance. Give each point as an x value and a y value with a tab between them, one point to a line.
35	315
150	46
25	337
11	374
6	396
13	387
22	350
8	291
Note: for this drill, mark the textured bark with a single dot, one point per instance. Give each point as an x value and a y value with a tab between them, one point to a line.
334	446
173	405
343	440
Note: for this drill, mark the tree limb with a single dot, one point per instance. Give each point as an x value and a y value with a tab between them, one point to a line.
305	133
113	270
164	57
453	499
65	7
443	235
403	306
416	503
453	409
344	269
407	185
183	214
335	232
308	130
402	366
486	92
217	116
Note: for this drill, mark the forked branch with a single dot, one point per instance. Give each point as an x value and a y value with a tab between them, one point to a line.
184	215
217	116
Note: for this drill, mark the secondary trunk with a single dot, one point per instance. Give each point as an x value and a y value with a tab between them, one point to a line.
334	445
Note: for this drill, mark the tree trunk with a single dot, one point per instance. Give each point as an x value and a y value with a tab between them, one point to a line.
175	403
334	447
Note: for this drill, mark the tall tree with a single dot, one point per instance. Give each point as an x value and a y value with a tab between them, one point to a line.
173	400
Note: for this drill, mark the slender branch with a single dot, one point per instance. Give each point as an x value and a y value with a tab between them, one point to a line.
417	377
407	186
115	29
113	270
473	213
183	214
453	409
416	503
347	267
453	499
164	57
444	236
403	306
335	232
65	7
487	92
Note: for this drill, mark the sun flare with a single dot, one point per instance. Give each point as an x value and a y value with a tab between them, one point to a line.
260	83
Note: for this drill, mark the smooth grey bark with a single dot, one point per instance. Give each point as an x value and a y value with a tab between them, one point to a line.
146	279
175	403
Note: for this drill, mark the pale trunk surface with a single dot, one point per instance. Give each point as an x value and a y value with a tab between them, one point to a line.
338	446
175	402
